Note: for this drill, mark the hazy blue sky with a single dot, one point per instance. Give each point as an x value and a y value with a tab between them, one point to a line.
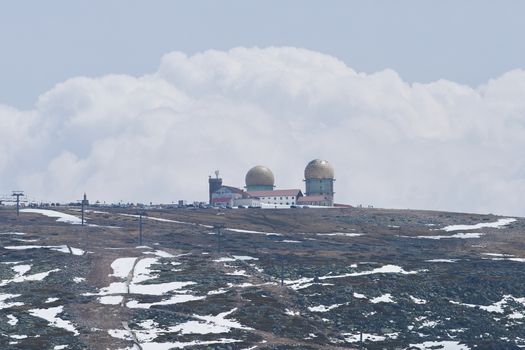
46	42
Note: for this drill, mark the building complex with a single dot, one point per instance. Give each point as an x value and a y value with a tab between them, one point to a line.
260	189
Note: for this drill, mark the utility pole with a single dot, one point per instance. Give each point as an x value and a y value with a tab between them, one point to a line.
282	271
84	203
141	221
218	229
18	194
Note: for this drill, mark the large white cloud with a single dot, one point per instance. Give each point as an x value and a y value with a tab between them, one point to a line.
157	137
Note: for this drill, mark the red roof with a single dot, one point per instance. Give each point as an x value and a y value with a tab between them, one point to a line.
276	193
233	189
312	199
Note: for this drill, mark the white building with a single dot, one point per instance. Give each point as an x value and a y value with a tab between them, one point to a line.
277	197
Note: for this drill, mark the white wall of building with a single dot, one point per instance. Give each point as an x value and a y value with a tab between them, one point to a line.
279	200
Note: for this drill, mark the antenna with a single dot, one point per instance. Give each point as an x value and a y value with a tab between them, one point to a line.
18	194
216	174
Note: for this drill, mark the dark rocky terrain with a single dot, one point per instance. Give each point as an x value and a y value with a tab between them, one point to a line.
394	276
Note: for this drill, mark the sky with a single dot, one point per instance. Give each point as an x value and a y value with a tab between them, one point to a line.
417	104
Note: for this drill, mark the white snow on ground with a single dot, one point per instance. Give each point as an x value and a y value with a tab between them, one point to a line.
12	233
499	257
122	267
5	305
497	307
443	260
60	347
144	289
244	257
16	336
78	279
218	291
21	270
209	324
510	259
497	224
440	345
124	334
111	299
157	289
20	275
257	232
300	283
50	315
58	248
61	217
235	257
224	259
175	299
290	241
461	235
306	282
25	240
417	300
367	337
12	320
385	298
359	296
343	234
238	273
323	308
143	270
428	324
516	315
292	313
50	300
382	269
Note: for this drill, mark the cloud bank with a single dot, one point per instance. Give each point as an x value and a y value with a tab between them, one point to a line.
157	137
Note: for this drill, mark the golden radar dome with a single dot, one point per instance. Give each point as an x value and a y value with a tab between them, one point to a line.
259	176
318	169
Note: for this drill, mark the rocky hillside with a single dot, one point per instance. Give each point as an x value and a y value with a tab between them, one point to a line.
273	279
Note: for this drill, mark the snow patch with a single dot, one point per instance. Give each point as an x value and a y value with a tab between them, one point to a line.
12	320
61	217
122	267
497	224
50	315
111	299
343	234
58	248
445	345
323	308
385	298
